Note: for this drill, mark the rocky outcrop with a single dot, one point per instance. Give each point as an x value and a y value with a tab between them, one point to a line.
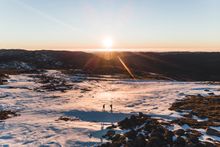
51	83
201	106
143	131
5	114
3	78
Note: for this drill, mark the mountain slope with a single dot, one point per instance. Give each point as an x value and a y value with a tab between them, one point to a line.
198	66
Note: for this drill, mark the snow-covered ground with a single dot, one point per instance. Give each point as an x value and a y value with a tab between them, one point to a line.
38	123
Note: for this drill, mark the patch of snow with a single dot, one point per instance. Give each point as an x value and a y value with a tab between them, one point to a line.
206	137
185	127
199	119
37	125
216	128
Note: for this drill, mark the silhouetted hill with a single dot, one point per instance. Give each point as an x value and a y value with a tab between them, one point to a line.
175	65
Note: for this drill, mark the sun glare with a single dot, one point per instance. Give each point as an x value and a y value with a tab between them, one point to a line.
107	43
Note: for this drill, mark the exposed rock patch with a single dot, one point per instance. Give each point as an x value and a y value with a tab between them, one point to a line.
200	112
64	118
52	83
203	107
3	78
143	131
5	114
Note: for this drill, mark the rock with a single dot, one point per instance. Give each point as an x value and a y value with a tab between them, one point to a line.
64	118
209	144
124	124
111	127
5	114
190	144
131	134
116	144
161	129
199	144
129	144
110	133
157	134
155	142
193	133
133	121
153	133
212	132
180	142
179	132
52	83
4	80
206	107
107	144
169	137
140	141
118	139
150	125
211	93
192	122
194	139
141	114
199	95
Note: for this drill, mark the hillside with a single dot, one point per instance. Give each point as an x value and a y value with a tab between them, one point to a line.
199	66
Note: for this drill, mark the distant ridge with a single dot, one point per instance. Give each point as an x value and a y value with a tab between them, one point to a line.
186	66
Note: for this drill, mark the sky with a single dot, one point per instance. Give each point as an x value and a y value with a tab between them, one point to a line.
131	24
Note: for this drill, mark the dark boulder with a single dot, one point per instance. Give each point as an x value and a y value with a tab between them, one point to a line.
179	142
131	134
179	132
110	134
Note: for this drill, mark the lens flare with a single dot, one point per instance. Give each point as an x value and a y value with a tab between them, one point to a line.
126	67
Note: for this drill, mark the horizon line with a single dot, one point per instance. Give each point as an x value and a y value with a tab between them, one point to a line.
125	49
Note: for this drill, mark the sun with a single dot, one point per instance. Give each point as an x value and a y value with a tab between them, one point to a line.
107	43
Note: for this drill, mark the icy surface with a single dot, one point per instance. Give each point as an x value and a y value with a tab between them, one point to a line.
38	123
